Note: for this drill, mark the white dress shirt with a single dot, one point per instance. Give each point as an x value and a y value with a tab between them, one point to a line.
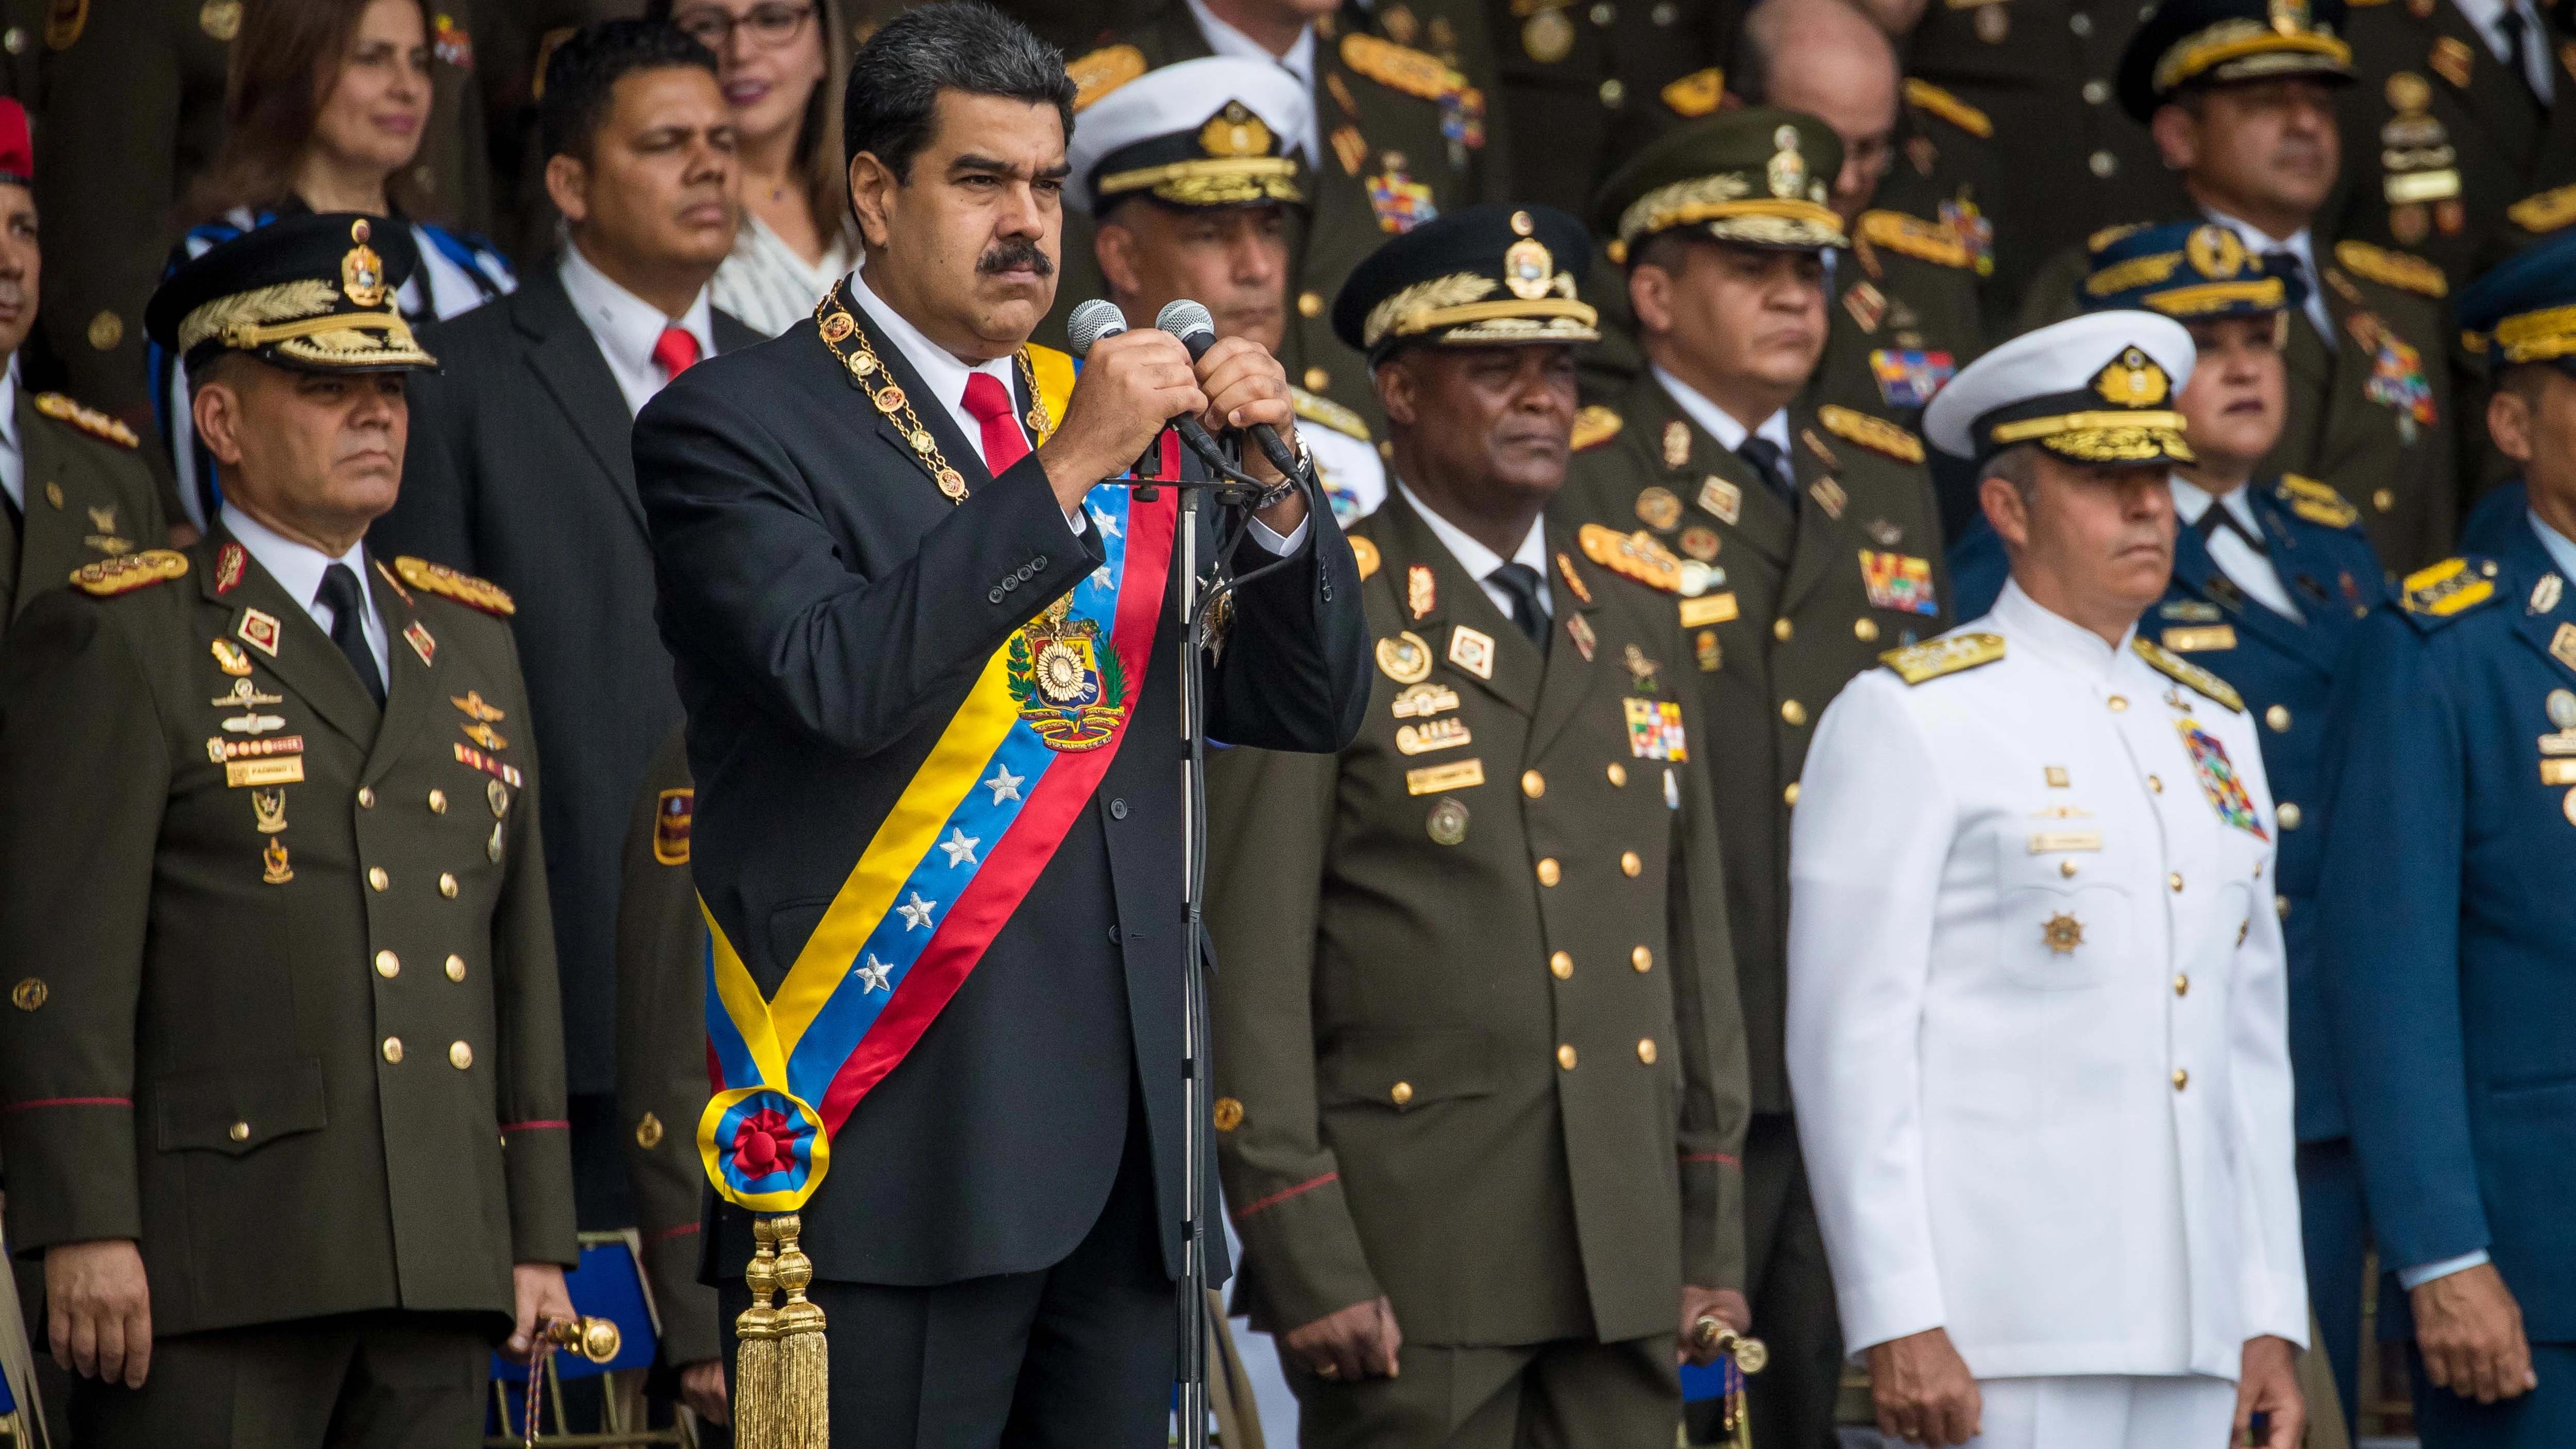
2302	249
765	285
1225	40
2486	17
298	569
1480	561
2038	1014
2251	571
626	326
1717	421
13	449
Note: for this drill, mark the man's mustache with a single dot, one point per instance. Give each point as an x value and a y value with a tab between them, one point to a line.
1018	252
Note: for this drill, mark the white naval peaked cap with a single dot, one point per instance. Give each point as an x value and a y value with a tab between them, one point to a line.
1179	132
2095	388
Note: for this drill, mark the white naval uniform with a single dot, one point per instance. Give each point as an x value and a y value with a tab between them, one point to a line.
2078	1162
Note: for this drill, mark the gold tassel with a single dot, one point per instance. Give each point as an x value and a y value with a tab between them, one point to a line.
804	1363
756	1408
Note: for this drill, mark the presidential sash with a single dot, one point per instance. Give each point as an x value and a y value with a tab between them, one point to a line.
1010	773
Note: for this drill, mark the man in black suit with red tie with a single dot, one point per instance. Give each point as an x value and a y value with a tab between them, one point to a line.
932	675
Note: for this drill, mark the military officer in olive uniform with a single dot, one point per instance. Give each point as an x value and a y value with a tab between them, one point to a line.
1584	83
283	1073
1480	1070
133	115
74	486
1398	135
1808	545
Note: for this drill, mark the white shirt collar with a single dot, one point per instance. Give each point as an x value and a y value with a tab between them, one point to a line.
13	450
2058	639
2487	17
940	370
1716	421
298	569
1472	556
626	326
2562	550
2191	501
1225	40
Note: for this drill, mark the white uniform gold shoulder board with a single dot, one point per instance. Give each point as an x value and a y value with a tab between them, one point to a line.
2176	667
1929	660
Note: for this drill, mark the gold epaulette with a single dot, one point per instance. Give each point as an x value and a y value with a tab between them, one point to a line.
1697	94
1594	426
1929	97
446	582
1399	67
1325	412
2316	502
2401	270
2174	666
2547	211
2452	587
1916	238
1366	553
123	575
1633	555
1102	71
2110	234
1916	663
1876	434
88	419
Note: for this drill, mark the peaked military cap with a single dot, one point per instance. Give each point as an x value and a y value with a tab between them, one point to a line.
2189	270
1213	132
2186	43
1756	177
1480	276
2095	388
311	293
2525	309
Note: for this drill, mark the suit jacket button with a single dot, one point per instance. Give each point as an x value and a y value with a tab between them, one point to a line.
1618	773
239	1132
1118	809
1533	784
1113	935
388	965
1565	1057
1561	964
1038	565
447	885
437	802
455	968
1402	1093
1631	863
1642	958
377	879
1549	873
459	1055
1646	1050
393	1048
366	798
994	597
1010	582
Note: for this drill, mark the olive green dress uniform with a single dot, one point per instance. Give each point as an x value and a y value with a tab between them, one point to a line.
1584	83
1474	1025
132	119
1405	135
662	1050
91	496
288	1015
22	50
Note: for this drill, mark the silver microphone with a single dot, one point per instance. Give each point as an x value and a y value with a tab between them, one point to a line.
1092	321
1191	322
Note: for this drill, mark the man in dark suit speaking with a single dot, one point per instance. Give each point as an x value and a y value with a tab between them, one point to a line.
932	676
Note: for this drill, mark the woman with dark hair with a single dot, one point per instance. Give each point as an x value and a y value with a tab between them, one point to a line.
781	64
324	110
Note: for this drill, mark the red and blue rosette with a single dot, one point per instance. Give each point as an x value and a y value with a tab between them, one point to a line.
763	1147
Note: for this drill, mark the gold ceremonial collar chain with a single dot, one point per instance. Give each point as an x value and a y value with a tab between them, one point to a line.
839	326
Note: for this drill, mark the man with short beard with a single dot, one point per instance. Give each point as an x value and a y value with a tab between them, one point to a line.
2037	1005
2244	109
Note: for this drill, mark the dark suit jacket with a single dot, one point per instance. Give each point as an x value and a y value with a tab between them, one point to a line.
829	609
519	471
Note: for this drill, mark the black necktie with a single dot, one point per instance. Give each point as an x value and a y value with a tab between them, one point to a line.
1521	582
348	605
2217	516
2517	47
1770	465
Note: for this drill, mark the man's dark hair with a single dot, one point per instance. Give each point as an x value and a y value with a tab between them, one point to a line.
584	71
956	45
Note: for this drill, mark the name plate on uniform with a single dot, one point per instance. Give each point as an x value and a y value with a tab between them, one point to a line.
1708	609
1439	734
284	770
1432	779
2561	743
2206	637
2558	772
2042	842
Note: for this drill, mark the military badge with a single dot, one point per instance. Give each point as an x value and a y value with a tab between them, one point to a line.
1698	578
2545	594
268	811
1721	499
229	563
418	637
1594	426
2562	645
2397	379
2182	671
1829	496
484	735
472	758
1676	443
1472	650
275	867
1401	203
471	705
1993	22
1350	148
2200	639
2561	707
1447	822
123	573
1421	590
2452	60
1636	555
1438	734
1422	701
1907	379
1700	543
1933	658
230	659
1697	613
1710	654
1655	729
1975	231
29	994
1228	1114
2218	781
1866	304
245	695
1875	434
1071	686
2062	933
2447	588
1433	779
1787	171
1658	508
259	630
672	813
1365	554
1579	629
1406	659
1898	582
1573	581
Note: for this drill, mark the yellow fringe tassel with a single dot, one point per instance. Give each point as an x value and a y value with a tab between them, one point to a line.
804	1364
757	1412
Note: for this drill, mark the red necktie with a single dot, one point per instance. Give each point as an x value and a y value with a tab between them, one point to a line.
674	351
990	402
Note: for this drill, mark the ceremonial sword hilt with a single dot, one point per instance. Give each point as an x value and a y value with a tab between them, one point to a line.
1711	1333
596	1339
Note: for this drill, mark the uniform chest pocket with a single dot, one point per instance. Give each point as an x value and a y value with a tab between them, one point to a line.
2064	921
1404	1070
237	1110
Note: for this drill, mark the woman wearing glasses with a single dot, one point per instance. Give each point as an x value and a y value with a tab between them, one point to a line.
781	63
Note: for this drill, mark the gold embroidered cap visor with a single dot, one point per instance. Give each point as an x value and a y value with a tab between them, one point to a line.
2187	43
2096	388
1757	177
2190	270
2524	309
310	293
1207	133
1482	276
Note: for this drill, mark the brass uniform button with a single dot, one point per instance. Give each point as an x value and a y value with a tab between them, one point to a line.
366	798
29	994
377	879
1401	1093
1631	862
1565	1057
1549	873
455	968
1310	304
393	1048
2175	880
1646	1050
1865	630
447	885
1783	630
105	331
1789	793
2385	500
648	1132
1793	712
1229	1114
2156	783
1561	966
1642	958
2182	1079
2096	92
2118	702
2182	984
1533	784
437	802
2066	868
1618	774
14	40
459	1055
239	1132
2278	717
2102	164
388	965
2281	907
1318	379
2289	814
1613	93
